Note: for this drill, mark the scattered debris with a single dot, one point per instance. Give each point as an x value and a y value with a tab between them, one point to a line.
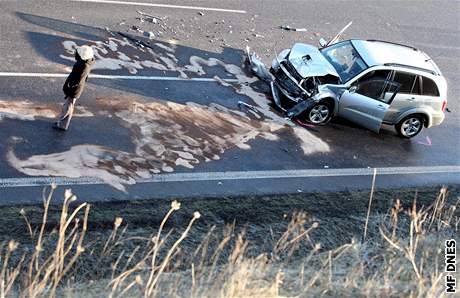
326	167
219	183
299	190
148	17
289	28
251	107
448	110
149	34
355	157
136	28
201	13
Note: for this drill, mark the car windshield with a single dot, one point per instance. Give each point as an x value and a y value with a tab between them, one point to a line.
345	59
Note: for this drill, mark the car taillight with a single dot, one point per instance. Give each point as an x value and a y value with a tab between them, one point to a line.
444	105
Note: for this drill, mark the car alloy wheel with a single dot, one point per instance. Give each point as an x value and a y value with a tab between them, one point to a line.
411	127
319	114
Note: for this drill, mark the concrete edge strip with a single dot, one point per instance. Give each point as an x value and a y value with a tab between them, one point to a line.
235	175
111	77
162	5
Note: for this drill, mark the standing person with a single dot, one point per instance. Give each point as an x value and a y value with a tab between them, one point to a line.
74	84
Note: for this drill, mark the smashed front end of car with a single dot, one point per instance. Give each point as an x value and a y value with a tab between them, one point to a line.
297	74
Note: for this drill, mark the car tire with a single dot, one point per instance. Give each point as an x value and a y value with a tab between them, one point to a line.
319	114
410	126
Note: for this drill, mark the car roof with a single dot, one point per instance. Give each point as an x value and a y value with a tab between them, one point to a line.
377	52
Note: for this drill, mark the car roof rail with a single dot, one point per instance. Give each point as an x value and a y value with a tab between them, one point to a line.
395	43
412	67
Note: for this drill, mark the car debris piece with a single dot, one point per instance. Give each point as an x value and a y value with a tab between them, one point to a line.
243	104
299	108
149	34
201	13
258	67
136	28
289	28
148	17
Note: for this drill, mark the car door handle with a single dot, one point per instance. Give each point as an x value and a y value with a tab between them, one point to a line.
381	107
411	99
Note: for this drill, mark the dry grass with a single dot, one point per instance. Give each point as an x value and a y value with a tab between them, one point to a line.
401	254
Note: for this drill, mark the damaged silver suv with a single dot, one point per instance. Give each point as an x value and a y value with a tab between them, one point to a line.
369	82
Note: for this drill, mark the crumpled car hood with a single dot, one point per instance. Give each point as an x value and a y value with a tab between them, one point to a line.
308	61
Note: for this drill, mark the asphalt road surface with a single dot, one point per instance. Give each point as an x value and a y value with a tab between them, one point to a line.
160	114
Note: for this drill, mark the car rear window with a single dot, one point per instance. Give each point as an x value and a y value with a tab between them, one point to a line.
429	87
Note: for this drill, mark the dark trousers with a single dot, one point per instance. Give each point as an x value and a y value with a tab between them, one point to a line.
66	114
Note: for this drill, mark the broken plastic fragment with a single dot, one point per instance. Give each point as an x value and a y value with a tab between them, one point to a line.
148	17
243	104
149	34
289	28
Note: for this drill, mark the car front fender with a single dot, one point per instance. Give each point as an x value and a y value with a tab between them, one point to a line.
326	93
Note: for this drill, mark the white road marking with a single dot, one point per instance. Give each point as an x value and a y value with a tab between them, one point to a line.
162	5
237	175
111	77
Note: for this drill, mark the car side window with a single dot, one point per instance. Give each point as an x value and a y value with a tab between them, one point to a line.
407	81
380	89
375	74
429	87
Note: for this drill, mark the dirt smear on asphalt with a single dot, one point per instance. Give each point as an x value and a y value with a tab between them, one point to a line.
123	54
166	135
28	111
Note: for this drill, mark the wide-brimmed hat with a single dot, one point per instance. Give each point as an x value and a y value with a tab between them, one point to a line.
85	52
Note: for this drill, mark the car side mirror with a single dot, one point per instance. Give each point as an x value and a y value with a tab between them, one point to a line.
322	42
353	89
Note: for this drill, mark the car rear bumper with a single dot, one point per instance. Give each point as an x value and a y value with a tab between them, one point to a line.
437	119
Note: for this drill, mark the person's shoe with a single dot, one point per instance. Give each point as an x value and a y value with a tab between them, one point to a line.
56	126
